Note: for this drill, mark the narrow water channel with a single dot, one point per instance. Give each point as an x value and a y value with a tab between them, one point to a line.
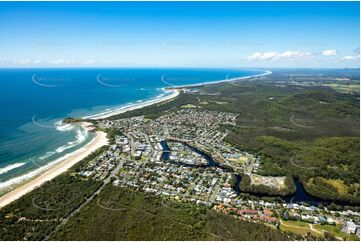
299	196
166	151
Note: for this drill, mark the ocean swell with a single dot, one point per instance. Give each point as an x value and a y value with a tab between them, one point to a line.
10	167
80	138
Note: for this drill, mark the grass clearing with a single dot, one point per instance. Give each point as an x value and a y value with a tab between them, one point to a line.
344	88
336	231
296	223
241	160
298	227
189	106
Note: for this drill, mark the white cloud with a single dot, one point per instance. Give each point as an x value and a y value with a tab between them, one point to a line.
51	62
69	62
89	62
57	61
23	61
276	55
351	57
61	62
329	52
262	56
293	54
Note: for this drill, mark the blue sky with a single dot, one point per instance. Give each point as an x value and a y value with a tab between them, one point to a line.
179	34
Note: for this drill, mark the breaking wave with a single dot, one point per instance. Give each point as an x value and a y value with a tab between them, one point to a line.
64	127
80	137
10	167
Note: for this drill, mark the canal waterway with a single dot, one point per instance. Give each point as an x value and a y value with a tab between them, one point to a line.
299	196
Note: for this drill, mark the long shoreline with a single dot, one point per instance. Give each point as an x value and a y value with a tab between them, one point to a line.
267	72
131	107
175	92
98	141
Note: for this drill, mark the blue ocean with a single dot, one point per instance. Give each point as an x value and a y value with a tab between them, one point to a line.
34	101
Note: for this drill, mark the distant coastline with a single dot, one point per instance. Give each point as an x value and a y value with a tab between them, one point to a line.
267	72
175	91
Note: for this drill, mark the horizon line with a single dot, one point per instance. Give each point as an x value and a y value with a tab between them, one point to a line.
185	67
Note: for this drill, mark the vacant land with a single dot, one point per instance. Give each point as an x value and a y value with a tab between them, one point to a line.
316	230
237	161
300	228
277	182
267	185
336	230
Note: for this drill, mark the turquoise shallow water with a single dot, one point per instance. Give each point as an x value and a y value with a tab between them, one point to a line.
34	101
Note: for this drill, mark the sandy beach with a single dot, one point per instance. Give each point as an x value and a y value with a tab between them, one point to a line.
175	92
225	80
98	141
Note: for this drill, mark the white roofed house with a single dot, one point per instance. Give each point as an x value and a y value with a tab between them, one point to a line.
330	220
137	154
351	227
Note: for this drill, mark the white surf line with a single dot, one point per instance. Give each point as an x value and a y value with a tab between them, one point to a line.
267	72
43	168
67	162
10	167
134	106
